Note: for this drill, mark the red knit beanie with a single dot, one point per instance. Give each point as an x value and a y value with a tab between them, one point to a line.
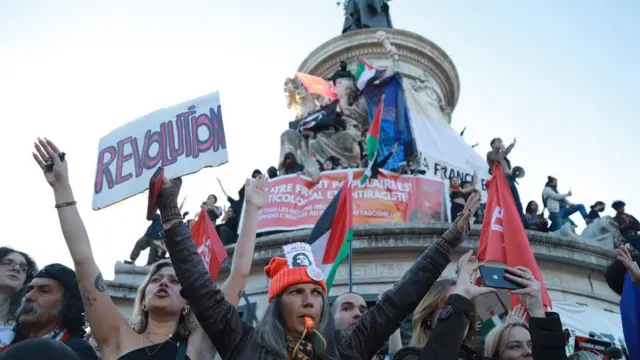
282	276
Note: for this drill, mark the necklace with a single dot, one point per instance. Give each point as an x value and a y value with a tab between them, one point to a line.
147	336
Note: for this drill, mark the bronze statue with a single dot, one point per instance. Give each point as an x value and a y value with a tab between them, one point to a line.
365	14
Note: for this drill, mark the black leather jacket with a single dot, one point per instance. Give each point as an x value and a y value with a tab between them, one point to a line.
445	342
233	338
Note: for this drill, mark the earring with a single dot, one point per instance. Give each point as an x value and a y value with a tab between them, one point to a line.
143	308
185	311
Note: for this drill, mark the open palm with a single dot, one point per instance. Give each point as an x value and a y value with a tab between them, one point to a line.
46	152
467	266
256	191
625	257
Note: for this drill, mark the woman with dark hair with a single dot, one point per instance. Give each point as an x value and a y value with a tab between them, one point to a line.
164	326
297	324
289	165
595	211
16	271
535	221
459	191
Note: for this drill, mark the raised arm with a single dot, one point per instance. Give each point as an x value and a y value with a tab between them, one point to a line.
510	147
222	188
474	183
256	195
377	324
107	324
218	317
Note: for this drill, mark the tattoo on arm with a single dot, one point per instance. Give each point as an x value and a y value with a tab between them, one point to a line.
99	283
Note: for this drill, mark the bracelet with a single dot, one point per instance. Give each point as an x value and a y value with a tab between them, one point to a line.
64	204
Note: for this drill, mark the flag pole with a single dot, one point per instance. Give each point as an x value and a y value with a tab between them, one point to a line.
349	177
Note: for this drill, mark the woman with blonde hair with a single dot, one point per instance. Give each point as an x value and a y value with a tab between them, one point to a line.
444	323
543	339
164	327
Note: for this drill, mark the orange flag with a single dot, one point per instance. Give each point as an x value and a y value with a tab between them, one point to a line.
503	238
209	245
317	85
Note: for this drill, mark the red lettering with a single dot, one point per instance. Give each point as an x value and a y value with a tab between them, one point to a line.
150	162
122	158
164	148
176	143
104	172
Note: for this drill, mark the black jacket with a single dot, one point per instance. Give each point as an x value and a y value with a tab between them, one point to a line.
446	339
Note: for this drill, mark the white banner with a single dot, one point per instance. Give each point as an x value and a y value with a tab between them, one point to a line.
182	138
438	143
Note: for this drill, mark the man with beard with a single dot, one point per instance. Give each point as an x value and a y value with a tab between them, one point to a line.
52	309
347	310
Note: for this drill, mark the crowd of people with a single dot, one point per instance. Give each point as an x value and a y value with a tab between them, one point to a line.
181	313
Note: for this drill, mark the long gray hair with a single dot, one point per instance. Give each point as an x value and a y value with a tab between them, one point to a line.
270	333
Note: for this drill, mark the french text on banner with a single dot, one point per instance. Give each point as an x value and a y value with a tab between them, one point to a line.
295	202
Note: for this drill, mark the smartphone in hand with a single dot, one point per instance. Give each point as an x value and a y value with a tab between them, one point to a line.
493	277
155	185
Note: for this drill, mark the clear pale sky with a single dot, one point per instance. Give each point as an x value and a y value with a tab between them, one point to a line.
561	76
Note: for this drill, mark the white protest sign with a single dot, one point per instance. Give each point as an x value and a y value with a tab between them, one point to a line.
182	138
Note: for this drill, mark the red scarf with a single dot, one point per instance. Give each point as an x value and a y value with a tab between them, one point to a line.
62	338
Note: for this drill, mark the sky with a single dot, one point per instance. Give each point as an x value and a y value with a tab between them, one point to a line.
561	77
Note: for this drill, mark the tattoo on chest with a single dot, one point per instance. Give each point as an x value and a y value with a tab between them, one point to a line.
99	283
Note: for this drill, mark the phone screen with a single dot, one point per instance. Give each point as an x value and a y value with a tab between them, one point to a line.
493	277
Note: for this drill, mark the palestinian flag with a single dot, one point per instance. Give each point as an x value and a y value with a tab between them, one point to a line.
489	324
373	135
366	73
330	238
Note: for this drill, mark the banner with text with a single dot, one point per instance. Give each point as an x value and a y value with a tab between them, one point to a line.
296	203
182	138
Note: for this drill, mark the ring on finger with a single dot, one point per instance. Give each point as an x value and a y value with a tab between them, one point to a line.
48	165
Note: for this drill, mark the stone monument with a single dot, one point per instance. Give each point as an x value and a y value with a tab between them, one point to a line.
573	269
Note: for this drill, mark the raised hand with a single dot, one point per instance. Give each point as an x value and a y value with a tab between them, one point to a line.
52	162
517	315
256	191
531	293
168	200
625	257
470	208
467	266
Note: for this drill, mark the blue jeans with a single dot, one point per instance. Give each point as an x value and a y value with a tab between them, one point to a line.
516	197
556	217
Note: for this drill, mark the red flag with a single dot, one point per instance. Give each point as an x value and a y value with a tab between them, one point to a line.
503	222
317	85
208	243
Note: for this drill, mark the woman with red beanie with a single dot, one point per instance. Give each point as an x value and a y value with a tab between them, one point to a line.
298	324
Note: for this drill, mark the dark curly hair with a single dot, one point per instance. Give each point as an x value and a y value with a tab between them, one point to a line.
32	269
71	318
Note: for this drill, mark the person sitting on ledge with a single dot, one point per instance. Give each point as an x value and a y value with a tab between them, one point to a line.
558	205
629	226
594	214
535	221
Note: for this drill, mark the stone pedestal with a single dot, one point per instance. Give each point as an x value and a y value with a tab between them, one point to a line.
573	271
